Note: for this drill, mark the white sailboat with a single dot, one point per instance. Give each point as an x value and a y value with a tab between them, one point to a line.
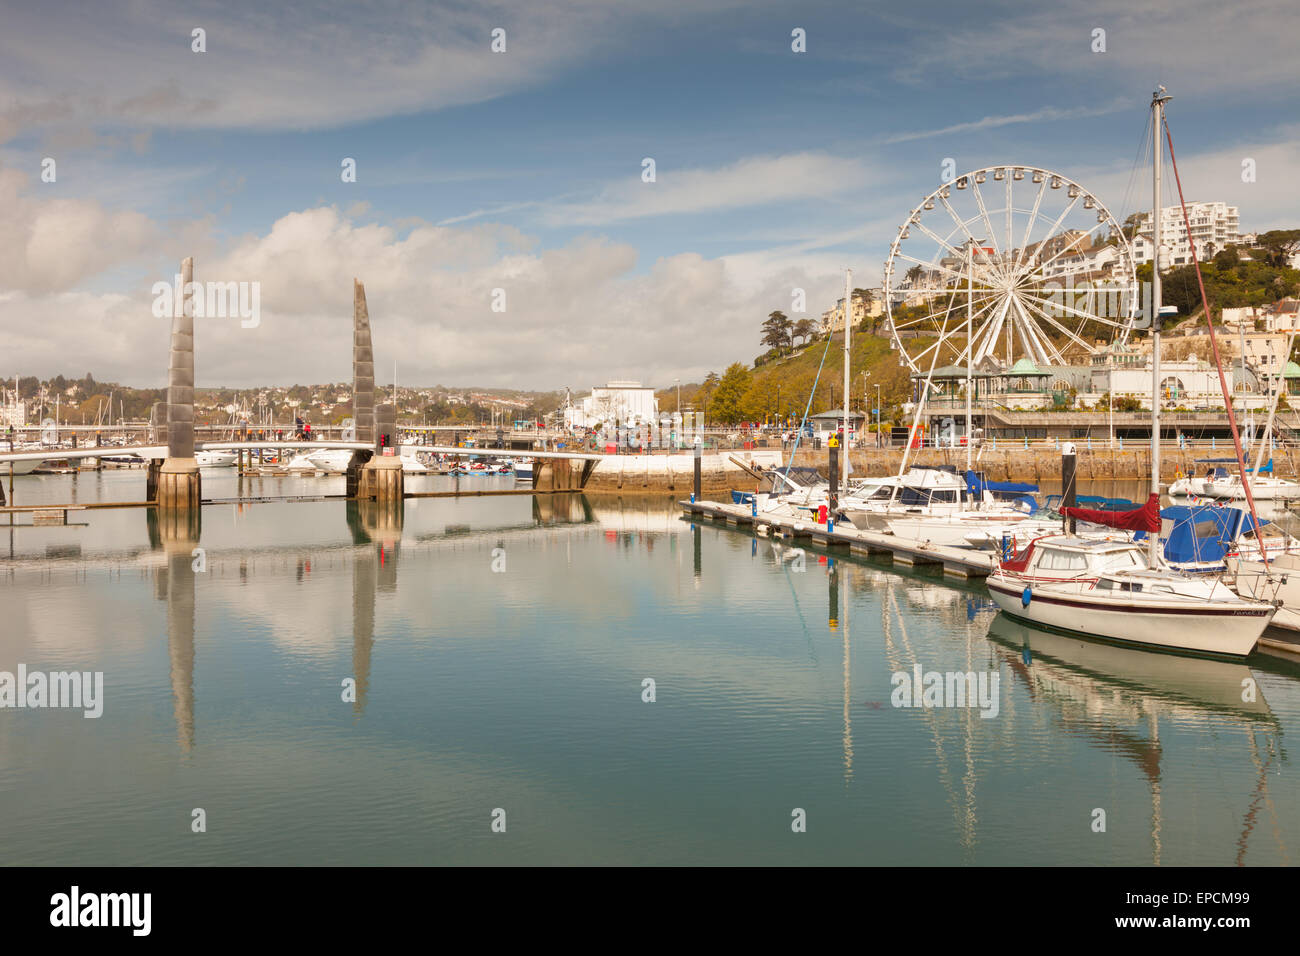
1115	590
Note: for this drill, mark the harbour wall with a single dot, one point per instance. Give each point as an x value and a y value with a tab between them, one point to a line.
1042	466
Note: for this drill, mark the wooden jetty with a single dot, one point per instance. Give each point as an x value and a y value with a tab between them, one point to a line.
957	562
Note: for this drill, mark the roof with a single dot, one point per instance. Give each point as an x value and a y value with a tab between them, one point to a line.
959	371
837	413
1291	371
1026	367
1083	544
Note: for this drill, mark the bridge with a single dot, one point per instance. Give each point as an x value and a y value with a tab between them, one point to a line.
174	484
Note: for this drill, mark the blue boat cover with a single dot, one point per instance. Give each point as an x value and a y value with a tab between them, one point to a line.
977	484
1201	533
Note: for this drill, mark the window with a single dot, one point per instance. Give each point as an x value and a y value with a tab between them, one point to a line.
1121	561
1051	560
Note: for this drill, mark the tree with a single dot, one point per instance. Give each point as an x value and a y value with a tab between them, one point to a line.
727	402
914	275
804	329
1280	244
777	331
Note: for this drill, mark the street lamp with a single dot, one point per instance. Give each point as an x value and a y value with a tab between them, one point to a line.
865	419
878	442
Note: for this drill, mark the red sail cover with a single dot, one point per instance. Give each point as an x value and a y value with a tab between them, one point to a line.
1146	518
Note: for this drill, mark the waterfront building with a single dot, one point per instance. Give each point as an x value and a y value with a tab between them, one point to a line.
13	413
872	307
1214	227
622	403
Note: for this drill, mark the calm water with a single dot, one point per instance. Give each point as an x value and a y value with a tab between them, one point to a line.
521	688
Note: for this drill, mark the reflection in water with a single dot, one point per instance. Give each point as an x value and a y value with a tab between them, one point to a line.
177	533
833	581
1115	698
377	533
527	686
697	548
902	657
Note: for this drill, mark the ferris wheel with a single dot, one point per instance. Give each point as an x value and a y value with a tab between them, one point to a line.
1032	266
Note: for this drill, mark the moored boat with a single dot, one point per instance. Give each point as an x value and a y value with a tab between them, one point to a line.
1108	589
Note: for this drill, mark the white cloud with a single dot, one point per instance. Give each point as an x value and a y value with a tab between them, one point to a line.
753	181
1046	114
576	314
50	244
1193	46
308	65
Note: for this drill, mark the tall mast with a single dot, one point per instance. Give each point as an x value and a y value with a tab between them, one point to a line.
848	316
970	346
1158	100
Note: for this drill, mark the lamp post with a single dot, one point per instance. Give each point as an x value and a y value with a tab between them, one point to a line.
865	418
878	442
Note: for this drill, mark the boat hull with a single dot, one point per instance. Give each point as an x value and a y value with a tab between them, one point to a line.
20	467
1205	629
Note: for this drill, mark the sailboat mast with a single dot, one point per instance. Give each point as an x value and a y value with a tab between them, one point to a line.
970	346
1158	100
848	315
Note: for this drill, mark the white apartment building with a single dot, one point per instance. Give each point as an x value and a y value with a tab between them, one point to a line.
1214	227
624	403
833	319
13	413
1095	263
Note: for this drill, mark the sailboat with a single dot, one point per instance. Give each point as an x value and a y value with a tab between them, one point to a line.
1120	590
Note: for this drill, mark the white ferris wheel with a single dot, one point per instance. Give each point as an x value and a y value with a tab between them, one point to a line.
1008	263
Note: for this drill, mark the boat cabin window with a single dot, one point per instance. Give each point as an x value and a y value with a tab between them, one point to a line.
1052	560
922	496
1129	560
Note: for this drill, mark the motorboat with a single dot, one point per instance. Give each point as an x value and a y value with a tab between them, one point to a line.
302	462
216	458
921	492
971	529
1108	589
330	459
1221	485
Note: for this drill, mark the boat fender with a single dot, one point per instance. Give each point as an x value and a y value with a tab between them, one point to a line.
1026	597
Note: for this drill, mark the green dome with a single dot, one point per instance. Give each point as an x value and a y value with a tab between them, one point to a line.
1026	367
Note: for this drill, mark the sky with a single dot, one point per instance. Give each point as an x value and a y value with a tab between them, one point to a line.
523	170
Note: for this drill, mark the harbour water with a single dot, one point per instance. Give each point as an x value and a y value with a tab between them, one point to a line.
501	649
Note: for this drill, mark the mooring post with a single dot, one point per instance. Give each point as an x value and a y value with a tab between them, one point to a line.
1069	495
696	493
833	502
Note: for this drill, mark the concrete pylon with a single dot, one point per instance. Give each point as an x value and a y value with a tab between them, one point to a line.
178	479
381	477
363	366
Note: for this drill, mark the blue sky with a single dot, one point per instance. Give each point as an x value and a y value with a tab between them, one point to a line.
522	170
